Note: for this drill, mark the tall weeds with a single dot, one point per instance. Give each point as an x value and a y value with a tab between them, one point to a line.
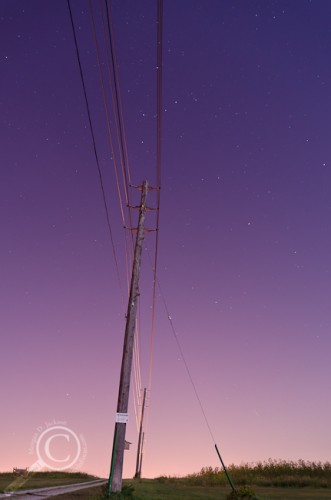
269	473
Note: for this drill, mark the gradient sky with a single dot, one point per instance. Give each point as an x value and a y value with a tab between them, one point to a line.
244	246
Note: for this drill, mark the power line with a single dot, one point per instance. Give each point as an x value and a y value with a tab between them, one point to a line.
182	355
123	149
185	363
159	93
159	99
121	129
106	110
94	145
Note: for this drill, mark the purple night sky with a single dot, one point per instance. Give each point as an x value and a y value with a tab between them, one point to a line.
245	230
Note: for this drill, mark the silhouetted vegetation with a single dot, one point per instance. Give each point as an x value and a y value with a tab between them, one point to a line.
274	473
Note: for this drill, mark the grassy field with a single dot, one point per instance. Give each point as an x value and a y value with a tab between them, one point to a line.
41	480
152	490
270	480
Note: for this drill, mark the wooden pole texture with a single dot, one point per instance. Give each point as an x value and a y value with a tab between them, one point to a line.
115	479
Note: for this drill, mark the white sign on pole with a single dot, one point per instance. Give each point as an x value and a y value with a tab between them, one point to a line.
122	418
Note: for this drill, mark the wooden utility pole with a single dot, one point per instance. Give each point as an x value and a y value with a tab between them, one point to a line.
115	478
141	454
138	469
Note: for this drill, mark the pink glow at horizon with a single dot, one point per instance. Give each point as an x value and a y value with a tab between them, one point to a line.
245	241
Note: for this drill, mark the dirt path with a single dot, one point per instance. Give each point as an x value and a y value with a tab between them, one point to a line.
50	492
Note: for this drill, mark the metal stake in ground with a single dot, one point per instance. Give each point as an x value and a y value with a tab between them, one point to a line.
225	469
115	479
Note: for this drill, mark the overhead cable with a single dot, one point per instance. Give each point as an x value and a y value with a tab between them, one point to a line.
94	145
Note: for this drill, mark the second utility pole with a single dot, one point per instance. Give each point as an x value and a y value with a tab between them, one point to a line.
139	451
115	478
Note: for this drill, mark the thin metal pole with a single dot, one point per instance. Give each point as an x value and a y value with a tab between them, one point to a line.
115	481
225	470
